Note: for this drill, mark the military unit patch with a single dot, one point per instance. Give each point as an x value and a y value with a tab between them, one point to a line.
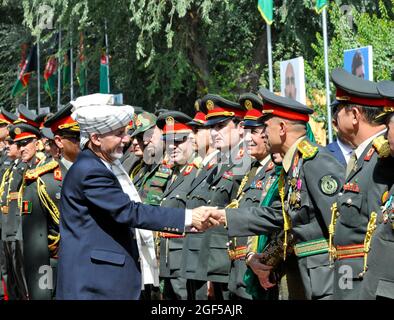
328	185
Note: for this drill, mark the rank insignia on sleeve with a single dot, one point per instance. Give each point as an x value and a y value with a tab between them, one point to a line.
26	207
328	185
353	187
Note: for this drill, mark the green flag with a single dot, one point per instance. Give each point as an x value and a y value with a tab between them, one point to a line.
26	68
320	5
266	9
104	65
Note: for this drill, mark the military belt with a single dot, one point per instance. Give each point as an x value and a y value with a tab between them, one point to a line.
349	251
13	196
237	253
167	235
311	247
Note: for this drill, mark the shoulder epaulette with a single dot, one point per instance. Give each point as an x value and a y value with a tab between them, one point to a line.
307	150
33	174
382	146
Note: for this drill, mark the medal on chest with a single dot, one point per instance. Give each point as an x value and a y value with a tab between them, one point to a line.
295	183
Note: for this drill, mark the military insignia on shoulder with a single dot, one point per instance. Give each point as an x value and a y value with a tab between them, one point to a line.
369	154
382	146
307	150
188	169
228	175
57	174
328	185
270	166
33	174
210	105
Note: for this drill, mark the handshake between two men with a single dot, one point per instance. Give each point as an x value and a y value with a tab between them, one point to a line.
207	217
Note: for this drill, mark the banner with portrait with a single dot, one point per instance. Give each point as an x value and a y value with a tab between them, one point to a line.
292	79
358	61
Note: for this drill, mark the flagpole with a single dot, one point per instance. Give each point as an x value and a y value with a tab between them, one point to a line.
59	83
107	53
38	77
27	98
269	49
324	17
71	71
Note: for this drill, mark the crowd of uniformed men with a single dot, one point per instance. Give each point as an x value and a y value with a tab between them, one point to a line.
300	221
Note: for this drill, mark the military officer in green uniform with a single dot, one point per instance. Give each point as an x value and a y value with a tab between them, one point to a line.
26	137
309	181
378	281
6	118
40	207
224	118
253	188
367	178
206	160
178	137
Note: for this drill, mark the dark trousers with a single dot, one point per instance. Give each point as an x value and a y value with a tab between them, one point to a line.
196	290
174	289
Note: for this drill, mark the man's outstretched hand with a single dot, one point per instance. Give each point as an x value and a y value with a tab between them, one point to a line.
207	217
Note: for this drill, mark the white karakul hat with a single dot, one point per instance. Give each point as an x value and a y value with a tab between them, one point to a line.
99	113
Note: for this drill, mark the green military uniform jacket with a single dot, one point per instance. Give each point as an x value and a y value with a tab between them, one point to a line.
378	281
312	178
220	188
359	198
40	226
254	188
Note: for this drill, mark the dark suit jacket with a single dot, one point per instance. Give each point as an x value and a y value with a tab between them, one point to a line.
337	152
98	256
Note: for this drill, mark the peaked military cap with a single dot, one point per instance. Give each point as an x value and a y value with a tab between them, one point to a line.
142	122
26	116
354	90
199	119
23	131
174	125
219	109
254	106
283	107
386	90
40	119
61	121
47	133
7	117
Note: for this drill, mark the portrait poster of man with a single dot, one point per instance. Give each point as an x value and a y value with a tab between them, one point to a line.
358	61
292	79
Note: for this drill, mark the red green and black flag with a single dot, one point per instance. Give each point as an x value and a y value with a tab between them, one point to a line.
26	68
50	75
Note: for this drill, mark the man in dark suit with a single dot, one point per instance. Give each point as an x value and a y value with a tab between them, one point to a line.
98	255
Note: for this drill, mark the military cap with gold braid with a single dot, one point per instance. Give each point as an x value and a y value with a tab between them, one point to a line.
62	122
199	119
7	117
254	106
354	90
23	131
26	116
219	109
283	107
386	90
174	125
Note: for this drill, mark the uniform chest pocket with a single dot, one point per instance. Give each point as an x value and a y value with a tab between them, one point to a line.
350	210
